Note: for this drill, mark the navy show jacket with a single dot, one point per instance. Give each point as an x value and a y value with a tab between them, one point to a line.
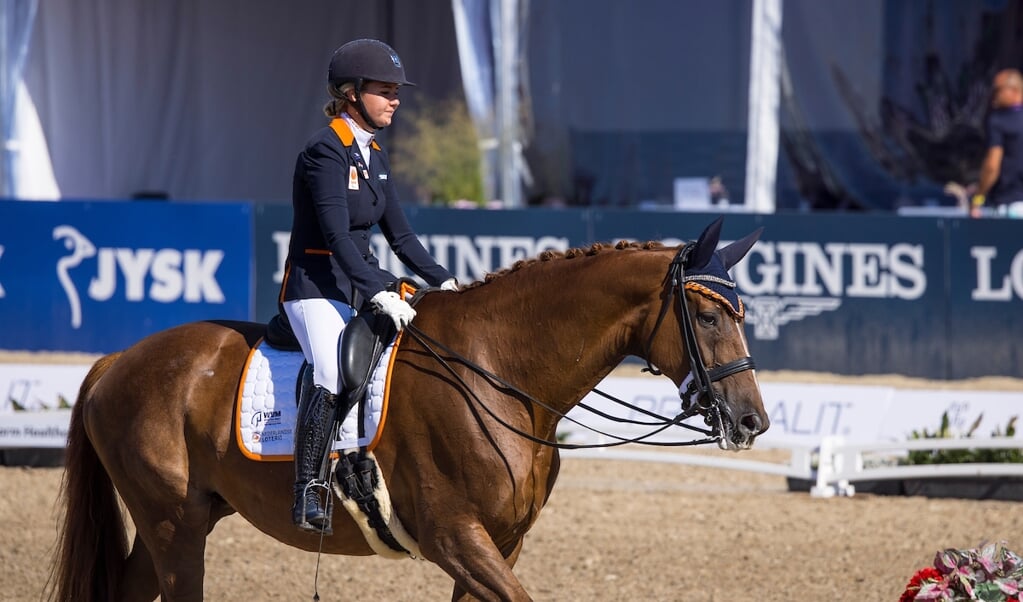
336	201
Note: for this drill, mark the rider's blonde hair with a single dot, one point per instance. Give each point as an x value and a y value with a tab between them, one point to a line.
338	99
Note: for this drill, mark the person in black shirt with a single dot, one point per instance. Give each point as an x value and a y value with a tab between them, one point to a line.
1001	174
341	189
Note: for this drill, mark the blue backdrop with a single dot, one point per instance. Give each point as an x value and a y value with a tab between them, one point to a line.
98	276
845	293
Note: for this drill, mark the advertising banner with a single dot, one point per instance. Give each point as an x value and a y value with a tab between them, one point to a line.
470	243
853	294
99	276
985	298
843	293
36	403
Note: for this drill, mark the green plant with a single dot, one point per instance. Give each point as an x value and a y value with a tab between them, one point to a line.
958	456
991	572
441	157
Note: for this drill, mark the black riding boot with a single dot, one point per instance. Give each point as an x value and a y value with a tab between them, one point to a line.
315	419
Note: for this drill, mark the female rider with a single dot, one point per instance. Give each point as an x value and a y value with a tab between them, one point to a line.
341	189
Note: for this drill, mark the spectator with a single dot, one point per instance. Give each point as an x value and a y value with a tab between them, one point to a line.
1001	174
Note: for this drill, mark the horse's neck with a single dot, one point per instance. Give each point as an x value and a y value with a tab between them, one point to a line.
563	325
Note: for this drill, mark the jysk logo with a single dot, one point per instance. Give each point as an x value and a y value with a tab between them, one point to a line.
162	275
793	280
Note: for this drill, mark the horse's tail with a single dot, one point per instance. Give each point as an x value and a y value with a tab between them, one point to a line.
93	544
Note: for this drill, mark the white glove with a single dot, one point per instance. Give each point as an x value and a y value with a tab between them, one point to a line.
449	285
394	307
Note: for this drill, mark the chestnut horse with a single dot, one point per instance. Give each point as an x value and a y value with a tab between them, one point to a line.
155	423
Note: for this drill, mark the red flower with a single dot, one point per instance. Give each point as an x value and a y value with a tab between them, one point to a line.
928	573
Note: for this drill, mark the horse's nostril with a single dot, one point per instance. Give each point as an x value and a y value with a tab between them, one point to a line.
752	423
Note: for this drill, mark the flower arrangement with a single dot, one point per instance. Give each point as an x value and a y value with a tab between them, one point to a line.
991	573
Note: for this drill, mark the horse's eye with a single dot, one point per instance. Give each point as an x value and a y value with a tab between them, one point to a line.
707	318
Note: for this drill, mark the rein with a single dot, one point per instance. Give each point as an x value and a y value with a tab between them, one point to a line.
697	396
429	343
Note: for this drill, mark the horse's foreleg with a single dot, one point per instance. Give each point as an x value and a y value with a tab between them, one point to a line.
480	570
460	595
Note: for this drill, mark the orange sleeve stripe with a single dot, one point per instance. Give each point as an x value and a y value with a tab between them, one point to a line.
284	283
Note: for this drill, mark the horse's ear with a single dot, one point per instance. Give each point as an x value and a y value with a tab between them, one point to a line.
731	254
703	250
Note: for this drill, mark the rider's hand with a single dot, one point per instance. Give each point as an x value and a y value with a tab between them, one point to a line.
394	307
449	285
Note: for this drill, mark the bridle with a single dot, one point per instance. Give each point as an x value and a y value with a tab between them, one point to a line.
697	392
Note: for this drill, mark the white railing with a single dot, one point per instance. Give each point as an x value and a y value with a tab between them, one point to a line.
838	464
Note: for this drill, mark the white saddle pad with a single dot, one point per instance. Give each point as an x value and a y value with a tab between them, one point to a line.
267	409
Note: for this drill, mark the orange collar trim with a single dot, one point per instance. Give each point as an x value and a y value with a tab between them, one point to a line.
344	132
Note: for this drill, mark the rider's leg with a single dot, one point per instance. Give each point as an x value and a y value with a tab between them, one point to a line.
315	417
317	324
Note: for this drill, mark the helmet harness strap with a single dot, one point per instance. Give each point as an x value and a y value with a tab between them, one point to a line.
359	106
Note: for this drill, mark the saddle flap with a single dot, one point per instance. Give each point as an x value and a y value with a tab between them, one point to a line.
359	341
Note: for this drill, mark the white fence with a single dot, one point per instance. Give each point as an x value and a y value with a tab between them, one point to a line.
834	465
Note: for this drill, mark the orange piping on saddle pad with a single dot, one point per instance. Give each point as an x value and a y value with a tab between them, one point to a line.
404	290
387	390
238	415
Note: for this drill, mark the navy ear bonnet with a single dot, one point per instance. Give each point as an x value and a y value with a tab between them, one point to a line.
706	269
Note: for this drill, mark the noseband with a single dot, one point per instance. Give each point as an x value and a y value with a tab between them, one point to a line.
697	391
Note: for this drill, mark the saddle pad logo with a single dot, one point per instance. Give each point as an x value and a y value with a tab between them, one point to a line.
267	411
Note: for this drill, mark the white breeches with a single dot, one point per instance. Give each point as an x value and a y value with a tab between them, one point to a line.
318	324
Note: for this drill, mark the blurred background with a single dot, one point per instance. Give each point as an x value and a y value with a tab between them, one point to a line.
841	127
851	131
771	104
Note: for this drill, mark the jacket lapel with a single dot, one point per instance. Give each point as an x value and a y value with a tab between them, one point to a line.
371	176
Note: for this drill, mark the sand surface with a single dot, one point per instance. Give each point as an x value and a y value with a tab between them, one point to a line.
613	530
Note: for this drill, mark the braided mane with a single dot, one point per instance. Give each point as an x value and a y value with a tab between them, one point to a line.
550	255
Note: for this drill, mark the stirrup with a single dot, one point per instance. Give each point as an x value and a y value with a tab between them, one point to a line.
303	512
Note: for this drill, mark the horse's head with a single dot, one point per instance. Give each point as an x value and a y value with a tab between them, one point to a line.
714	372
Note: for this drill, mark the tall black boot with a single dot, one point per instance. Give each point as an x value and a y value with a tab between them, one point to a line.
315	420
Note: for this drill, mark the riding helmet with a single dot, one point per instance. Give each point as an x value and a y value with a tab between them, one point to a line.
366	60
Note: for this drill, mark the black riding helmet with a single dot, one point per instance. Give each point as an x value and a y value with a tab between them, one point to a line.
365	60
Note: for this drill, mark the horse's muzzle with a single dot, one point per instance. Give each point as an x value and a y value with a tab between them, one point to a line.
739	434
